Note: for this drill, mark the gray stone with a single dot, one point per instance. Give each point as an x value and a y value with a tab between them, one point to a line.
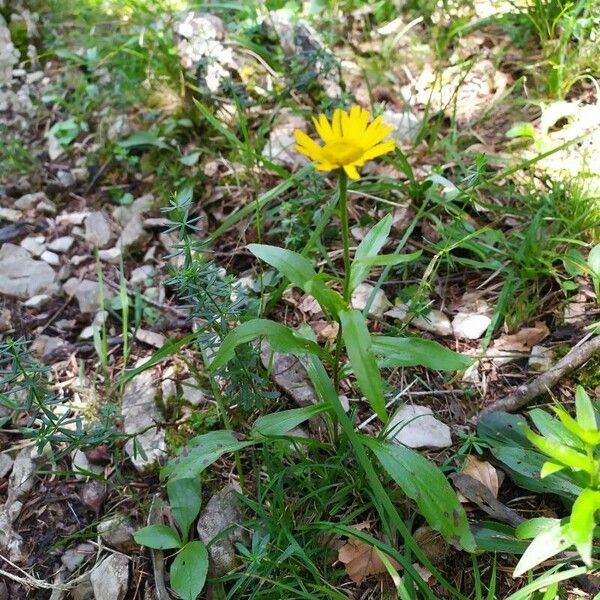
279	148
37	302
75	218
80	464
140	274
110	578
10	214
46	207
222	513
55	148
11	542
117	532
361	296
21	276
140	414
21	479
152	338
97	229
83	590
406	125
192	393
87	294
28	201
6	463
93	495
416	427
112	255
168	390
35	245
87	333
133	233
5	321
541	359
74	557
9	55
50	257
44	345
66	178
61	244
470	326
435	321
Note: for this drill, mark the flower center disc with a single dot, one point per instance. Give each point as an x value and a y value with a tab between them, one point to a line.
342	153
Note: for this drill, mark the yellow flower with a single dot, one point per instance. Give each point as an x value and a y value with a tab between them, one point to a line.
348	141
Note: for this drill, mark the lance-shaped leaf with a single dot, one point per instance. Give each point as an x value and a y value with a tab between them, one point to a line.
281	422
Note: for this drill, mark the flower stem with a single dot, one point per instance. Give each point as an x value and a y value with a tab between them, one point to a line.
343	212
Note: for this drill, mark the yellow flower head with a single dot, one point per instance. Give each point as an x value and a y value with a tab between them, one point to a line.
348	141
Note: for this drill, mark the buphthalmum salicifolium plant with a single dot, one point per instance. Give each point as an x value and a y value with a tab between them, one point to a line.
190	566
572	446
349	141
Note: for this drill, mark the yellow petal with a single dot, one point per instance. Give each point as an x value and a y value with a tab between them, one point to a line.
325	166
379	149
336	123
375	133
307	146
351	171
323	128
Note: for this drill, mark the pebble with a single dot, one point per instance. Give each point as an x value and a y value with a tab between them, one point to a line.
37	302
34	245
435	321
23	277
80	462
117	532
150	337
61	244
192	393
110	578
541	359
97	229
416	427
10	214
361	296
74	557
140	274
51	258
470	326
87	294
28	201
6	463
112	255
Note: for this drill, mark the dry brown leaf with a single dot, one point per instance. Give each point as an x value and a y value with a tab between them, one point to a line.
308	305
483	472
361	560
325	330
523	340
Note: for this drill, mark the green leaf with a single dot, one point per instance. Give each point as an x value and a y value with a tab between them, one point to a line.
144	138
588	436
189	160
497	537
593	260
364	363
521	130
582	523
389	260
201	452
189	570
549	467
586	415
300	272
281	422
501	429
560	453
552	428
159	537
546	544
533	527
292	265
369	247
424	483
280	337
185	500
413	351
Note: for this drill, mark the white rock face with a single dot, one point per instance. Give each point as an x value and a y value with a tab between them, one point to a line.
86	292
406	125
435	321
470	326
541	359
97	229
361	296
140	414
110	579
416	427
279	148
21	276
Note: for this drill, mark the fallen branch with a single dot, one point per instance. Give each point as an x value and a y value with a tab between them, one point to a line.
542	384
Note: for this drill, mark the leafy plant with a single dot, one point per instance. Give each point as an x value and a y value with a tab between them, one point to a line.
189	568
563	458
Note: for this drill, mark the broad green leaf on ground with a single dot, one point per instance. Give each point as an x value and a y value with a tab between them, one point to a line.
281	422
184	500
586	415
292	265
280	337
364	363
159	537
551	541
144	138
369	247
414	351
498	537
424	483
189	570
300	272
389	260
201	452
